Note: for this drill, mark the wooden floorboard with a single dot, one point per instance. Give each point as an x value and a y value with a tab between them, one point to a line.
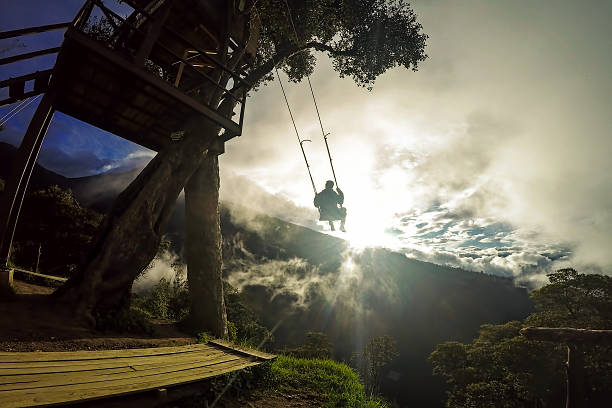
53	378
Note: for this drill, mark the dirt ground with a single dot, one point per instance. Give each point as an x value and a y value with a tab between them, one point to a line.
32	321
281	400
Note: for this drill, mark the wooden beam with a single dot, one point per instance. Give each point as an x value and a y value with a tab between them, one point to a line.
27	77
17	89
568	335
23	165
9	100
28	55
31	30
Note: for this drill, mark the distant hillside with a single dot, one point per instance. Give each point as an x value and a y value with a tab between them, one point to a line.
355	296
298	280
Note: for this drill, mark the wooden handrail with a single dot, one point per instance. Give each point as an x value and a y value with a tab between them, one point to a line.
567	335
32	30
28	55
27	77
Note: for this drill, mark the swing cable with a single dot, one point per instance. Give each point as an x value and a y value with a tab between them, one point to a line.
331	163
300	141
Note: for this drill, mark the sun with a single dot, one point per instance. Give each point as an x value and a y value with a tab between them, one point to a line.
365	233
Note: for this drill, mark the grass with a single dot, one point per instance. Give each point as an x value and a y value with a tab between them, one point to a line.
336	383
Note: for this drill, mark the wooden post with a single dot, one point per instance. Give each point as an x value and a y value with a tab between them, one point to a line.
6	282
153	31
576	397
38	258
23	164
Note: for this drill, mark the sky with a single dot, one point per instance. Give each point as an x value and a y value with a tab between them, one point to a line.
494	156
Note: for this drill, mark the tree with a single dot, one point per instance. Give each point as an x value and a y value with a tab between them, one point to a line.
364	38
317	345
375	355
500	368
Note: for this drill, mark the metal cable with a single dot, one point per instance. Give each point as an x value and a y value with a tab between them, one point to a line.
300	141
314	99
20	109
14	108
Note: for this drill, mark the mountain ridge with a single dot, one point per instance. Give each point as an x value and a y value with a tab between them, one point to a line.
298	280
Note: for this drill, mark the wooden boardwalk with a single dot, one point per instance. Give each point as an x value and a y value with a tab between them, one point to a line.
54	378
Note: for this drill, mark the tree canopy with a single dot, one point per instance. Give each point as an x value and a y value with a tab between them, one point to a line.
501	368
364	38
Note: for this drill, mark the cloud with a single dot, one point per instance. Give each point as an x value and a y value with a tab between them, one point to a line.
165	265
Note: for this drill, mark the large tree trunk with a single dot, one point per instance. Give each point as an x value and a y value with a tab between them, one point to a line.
132	231
203	249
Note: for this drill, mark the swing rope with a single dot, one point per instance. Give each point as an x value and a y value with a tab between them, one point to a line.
300	141
331	163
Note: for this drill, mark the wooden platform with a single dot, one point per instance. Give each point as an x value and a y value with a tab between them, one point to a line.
55	378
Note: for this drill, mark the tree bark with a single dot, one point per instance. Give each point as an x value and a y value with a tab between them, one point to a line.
132	231
203	249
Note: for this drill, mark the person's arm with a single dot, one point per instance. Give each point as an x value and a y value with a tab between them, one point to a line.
316	201
340	196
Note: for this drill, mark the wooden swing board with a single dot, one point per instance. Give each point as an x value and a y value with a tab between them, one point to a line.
56	378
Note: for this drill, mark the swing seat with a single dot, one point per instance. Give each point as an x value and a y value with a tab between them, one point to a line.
332	214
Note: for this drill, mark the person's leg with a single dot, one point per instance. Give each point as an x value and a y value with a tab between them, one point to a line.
342	219
331	225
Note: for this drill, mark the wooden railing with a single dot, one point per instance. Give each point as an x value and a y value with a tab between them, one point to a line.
151	37
132	25
576	341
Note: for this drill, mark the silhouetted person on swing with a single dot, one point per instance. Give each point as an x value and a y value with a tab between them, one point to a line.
329	203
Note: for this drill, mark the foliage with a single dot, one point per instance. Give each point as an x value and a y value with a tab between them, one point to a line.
363	37
375	355
573	300
131	320
52	220
248	331
100	29
167	300
336	383
204	337
317	346
500	368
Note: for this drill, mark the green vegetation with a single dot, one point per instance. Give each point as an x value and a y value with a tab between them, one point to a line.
317	346
131	320
336	383
376	354
500	368
54	224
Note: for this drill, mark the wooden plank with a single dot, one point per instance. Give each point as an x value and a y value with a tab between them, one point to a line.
25	367
103	354
73	393
99	364
87	379
242	350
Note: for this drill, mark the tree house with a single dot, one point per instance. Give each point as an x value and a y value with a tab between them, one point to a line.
140	77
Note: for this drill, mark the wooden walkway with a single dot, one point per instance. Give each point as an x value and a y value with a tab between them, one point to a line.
55	378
